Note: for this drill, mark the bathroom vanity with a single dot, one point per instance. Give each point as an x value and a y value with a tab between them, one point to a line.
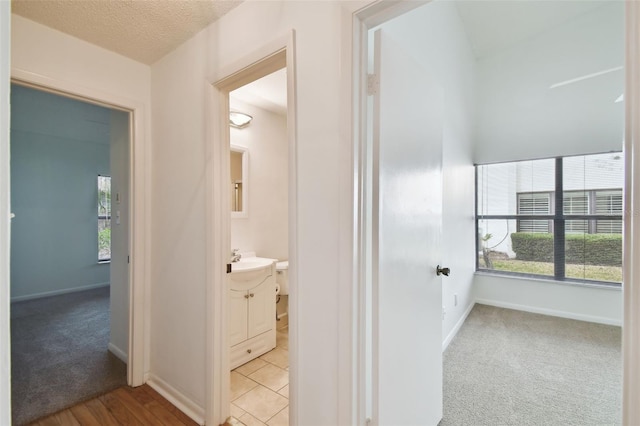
252	309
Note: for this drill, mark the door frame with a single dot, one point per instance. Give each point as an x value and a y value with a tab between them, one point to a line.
370	14
275	55
139	202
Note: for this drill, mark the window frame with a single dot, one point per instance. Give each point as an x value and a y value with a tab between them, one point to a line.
557	220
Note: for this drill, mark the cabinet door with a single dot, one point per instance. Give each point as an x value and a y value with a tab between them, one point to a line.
262	308
237	317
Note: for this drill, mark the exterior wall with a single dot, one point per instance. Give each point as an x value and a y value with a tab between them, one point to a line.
58	148
265	230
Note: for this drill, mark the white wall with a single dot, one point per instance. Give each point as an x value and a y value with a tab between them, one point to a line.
595	304
520	117
5	352
265	230
439	42
180	90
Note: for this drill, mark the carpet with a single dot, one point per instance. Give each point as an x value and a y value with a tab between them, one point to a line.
508	367
59	354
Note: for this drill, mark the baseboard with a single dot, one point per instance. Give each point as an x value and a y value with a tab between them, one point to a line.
456	328
58	292
119	353
550	312
177	398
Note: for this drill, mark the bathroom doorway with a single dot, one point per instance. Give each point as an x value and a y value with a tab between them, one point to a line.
253	199
258	185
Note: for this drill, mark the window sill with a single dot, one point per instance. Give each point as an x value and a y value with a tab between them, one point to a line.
568	282
101	262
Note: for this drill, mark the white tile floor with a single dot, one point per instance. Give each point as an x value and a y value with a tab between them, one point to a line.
260	388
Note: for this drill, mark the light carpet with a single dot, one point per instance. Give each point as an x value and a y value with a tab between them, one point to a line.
508	367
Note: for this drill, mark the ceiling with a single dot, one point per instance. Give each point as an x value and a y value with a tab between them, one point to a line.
269	92
492	26
143	30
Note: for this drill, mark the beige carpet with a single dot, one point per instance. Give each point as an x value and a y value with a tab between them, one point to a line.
509	367
59	353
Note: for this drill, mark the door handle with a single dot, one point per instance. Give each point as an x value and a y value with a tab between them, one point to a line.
442	271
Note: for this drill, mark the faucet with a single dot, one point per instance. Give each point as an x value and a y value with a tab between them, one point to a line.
235	255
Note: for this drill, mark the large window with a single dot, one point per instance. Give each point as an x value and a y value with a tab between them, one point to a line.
560	218
104	218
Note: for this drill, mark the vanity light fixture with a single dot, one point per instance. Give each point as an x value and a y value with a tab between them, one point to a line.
239	120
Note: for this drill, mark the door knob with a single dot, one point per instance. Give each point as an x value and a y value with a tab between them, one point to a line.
442	271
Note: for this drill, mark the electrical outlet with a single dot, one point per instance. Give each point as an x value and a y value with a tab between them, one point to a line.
455	300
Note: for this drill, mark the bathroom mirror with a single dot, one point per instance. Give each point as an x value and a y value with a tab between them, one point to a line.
239	181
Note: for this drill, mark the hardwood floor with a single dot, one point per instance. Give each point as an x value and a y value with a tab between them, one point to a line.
123	406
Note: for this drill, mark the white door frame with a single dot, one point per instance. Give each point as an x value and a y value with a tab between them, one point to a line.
275	55
631	270
377	12
138	351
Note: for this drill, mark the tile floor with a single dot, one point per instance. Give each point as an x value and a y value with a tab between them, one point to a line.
260	388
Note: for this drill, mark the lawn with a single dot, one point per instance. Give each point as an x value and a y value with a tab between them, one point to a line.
589	272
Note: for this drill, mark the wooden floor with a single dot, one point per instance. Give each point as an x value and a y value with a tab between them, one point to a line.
123	406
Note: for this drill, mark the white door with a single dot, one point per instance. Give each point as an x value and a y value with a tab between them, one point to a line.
407	221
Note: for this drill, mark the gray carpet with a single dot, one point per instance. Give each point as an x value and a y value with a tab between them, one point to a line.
508	367
59	353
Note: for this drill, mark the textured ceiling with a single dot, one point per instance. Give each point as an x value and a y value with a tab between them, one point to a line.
143	30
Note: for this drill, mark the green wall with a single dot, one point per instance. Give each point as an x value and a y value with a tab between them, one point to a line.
58	147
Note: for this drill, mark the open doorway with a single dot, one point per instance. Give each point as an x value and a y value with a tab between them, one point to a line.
258	325
70	238
271	161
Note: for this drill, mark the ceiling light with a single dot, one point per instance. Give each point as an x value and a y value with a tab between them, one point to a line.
239	119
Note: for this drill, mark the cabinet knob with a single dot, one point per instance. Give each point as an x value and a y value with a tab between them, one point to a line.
248	351
246	296
251	294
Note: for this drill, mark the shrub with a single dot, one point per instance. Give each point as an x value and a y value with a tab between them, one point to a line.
588	249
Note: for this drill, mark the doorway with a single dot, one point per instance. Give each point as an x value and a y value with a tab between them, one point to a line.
271	64
69	271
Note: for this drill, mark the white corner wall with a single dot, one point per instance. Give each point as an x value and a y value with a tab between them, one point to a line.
5	339
266	229
521	117
181	87
436	36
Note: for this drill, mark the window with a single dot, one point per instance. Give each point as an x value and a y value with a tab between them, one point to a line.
104	218
560	217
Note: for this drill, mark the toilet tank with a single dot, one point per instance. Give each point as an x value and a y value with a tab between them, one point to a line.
282	276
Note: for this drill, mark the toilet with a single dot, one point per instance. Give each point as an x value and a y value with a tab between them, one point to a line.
282	298
282	277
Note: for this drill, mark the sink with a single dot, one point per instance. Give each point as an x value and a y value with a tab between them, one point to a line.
251	264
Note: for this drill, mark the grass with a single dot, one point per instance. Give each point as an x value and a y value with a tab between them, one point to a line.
588	272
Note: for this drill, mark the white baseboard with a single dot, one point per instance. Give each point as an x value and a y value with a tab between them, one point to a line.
550	312
119	353
58	292
456	328
177	398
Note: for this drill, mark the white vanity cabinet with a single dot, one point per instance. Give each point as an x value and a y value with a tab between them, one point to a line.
252	314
